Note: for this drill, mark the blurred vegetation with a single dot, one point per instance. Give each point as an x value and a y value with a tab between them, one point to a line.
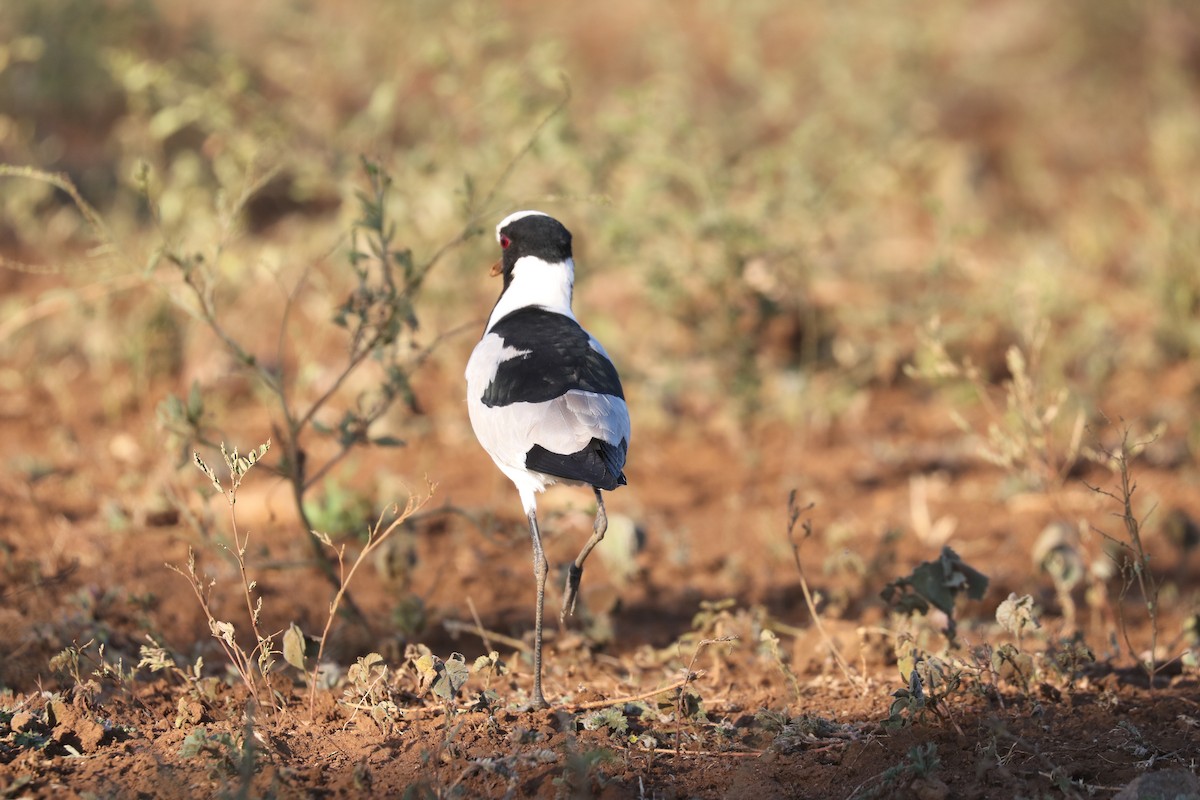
772	200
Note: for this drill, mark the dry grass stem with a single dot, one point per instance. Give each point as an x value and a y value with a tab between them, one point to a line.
375	537
794	513
592	705
455	627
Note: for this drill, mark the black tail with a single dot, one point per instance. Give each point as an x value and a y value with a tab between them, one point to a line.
598	464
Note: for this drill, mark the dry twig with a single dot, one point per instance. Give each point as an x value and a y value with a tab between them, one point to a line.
634	698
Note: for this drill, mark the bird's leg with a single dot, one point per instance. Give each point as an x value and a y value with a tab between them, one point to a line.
540	568
575	571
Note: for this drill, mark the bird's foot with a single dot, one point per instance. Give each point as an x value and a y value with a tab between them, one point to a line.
538	703
570	592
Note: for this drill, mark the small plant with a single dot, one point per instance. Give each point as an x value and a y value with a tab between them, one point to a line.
231	757
376	537
379	318
1015	614
713	618
794	511
1058	553
443	678
368	689
580	771
253	665
612	719
219	746
769	643
88	671
489	666
794	734
936	584
32	740
914	776
1020	665
1070	659
201	690
1027	435
1131	557
929	682
258	662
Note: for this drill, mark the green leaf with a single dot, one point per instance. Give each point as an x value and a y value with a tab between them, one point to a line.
611	718
388	441
195	743
976	582
171	409
929	581
938	583
195	403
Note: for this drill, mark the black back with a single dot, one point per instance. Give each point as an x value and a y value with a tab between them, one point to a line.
557	359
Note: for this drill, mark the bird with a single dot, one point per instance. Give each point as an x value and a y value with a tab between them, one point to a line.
543	396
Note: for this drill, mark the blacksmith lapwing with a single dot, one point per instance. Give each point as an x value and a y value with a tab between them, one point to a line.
544	399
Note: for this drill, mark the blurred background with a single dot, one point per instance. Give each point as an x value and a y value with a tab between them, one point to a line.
869	250
781	188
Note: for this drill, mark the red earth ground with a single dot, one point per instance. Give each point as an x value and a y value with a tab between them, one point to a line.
85	542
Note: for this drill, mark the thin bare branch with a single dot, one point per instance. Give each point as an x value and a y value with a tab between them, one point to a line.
633	698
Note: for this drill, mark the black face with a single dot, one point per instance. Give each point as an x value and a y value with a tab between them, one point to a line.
536	235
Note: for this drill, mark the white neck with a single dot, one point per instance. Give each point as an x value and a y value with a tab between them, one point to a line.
537	283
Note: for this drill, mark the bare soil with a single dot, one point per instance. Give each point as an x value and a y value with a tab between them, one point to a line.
85	539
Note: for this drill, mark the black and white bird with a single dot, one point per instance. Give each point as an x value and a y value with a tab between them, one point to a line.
544	398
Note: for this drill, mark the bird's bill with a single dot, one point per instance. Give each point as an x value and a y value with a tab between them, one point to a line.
496	269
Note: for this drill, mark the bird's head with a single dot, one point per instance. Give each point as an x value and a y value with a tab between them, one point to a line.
531	234
536	262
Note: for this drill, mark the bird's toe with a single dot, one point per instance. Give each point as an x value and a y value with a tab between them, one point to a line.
570	592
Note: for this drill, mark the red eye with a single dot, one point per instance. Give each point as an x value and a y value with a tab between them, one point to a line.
505	241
